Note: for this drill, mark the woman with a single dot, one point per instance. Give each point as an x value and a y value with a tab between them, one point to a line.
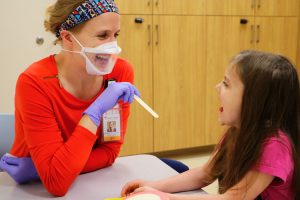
62	101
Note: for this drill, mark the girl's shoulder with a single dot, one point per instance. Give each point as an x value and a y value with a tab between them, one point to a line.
276	157
280	140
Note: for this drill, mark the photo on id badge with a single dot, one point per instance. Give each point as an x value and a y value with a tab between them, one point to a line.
111	125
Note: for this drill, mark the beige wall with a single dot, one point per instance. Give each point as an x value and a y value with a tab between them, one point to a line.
21	23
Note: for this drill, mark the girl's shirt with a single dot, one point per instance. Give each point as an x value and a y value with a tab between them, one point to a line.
46	126
277	160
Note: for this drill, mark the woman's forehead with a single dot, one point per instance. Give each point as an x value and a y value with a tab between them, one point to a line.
106	21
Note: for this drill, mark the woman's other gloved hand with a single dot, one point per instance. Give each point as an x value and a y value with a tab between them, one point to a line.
109	98
21	170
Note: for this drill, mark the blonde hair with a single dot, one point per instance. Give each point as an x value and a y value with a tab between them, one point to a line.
57	13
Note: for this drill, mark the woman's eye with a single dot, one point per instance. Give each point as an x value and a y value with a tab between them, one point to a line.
102	36
117	35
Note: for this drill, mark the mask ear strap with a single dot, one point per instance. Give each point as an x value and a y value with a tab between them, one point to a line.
72	51
82	48
76	40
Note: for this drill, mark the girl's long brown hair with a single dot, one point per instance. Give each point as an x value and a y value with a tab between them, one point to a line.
270	102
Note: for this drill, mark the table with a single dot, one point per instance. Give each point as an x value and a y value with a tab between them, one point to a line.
96	185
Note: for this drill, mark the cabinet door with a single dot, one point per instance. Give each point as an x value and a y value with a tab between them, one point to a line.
134	6
277	7
226	36
179	81
278	35
18	47
179	7
135	41
231	7
298	57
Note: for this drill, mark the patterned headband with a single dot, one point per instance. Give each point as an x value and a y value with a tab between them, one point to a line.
85	11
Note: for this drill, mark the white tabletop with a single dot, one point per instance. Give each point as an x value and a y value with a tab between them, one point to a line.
96	185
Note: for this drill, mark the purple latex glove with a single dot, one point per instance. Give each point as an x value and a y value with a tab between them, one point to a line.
109	98
21	170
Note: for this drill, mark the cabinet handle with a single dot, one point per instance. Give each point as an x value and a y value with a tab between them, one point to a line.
243	21
258	4
138	20
39	40
252	34
157	34
149	34
253	2
156	3
149	3
258	33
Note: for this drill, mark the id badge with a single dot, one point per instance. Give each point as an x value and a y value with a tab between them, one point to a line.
111	125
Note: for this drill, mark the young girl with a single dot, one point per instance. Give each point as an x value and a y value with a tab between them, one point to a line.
258	157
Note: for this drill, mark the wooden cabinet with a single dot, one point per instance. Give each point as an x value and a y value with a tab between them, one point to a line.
230	7
177	76
226	36
179	7
253	7
180	50
277	7
136	42
179	81
134	6
298	57
278	35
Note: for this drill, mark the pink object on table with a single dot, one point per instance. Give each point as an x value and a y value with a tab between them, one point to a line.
151	195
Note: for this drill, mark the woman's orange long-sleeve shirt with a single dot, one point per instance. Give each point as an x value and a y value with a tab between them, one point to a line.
47	130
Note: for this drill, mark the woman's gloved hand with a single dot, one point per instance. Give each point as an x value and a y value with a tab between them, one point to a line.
109	98
21	170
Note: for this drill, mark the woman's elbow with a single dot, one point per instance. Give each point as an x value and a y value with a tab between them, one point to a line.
58	191
58	187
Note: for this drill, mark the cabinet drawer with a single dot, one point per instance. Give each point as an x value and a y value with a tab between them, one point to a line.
134	6
179	7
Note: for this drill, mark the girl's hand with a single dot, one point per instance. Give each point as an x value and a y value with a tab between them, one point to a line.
131	186
150	190
145	189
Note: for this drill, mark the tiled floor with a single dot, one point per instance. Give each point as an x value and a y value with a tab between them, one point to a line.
195	160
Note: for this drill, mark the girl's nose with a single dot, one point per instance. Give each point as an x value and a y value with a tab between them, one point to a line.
218	87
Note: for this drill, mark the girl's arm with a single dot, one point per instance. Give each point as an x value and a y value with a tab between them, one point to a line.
251	186
189	180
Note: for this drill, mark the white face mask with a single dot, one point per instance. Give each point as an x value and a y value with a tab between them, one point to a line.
99	60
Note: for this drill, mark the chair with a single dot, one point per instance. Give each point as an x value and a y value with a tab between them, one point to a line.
175	164
7	132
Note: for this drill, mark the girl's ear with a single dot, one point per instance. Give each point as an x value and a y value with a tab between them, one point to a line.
67	40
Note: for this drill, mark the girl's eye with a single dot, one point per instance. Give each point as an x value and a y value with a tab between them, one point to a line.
224	83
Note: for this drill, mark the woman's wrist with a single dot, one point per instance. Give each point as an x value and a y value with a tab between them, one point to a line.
87	123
